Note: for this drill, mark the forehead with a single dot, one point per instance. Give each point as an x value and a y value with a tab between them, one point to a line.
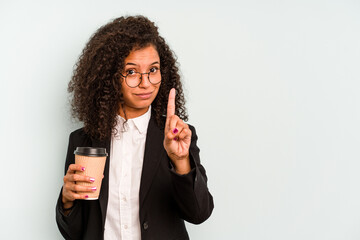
143	56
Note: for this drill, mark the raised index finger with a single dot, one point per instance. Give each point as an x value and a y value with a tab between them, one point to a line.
171	104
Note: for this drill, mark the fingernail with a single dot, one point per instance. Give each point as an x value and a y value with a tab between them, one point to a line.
82	169
92	179
175	139
175	130
86	196
93	188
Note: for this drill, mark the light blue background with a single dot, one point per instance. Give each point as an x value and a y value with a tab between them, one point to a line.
272	88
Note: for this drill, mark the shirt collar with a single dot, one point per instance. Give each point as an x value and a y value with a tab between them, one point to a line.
141	123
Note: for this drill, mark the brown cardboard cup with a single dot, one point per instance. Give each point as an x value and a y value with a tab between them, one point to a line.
93	160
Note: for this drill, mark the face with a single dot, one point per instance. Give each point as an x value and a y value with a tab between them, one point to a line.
138	99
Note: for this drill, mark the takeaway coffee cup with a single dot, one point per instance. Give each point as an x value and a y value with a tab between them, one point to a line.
93	159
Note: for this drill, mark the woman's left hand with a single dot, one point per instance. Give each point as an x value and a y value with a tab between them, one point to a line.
177	138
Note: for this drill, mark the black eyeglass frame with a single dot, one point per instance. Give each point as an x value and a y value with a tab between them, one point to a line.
141	78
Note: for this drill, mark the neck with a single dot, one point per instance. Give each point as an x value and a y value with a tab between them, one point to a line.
129	113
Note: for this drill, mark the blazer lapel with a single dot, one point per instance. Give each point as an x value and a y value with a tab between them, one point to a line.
104	191
153	154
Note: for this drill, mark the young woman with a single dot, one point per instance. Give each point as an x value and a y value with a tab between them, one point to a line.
127	91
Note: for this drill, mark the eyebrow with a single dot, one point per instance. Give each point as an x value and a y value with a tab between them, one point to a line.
133	64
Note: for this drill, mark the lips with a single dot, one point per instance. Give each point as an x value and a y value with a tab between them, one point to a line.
144	95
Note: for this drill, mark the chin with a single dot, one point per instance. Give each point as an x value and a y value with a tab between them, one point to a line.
142	105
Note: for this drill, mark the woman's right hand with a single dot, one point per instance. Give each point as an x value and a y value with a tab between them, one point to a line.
70	188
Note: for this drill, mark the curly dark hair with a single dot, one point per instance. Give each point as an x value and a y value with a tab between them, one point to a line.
96	83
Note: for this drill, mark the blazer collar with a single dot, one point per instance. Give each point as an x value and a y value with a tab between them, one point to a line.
153	154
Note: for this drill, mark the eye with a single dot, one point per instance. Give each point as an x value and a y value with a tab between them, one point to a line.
154	69
130	72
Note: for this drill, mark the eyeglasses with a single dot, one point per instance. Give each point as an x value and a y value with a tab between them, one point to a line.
133	79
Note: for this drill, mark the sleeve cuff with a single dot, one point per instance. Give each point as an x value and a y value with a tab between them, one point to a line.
192	165
61	207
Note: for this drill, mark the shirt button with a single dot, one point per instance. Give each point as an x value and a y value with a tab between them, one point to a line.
146	225
124	199
125	226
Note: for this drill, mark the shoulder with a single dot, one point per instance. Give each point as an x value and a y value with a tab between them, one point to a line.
78	133
194	136
192	128
79	136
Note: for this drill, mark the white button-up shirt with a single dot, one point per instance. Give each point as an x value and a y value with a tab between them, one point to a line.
126	161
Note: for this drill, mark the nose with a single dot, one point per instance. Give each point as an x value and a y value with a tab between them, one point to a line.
144	80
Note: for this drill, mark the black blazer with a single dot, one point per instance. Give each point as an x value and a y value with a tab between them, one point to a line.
166	198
